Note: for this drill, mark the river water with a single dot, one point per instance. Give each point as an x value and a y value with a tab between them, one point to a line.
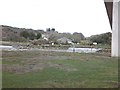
5	47
83	50
79	50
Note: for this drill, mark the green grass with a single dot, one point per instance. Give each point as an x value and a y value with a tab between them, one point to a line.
60	70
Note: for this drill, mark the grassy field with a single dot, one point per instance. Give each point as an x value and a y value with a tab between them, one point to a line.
36	69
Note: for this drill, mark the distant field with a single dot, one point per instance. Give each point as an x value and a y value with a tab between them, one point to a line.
36	69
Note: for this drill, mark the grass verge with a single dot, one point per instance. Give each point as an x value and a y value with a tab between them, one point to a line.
36	69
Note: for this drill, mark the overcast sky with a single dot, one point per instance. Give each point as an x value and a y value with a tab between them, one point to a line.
86	16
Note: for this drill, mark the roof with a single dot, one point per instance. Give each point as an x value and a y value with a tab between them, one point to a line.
109	8
64	40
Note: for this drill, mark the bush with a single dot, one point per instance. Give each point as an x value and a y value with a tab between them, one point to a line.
31	36
24	34
15	39
38	36
102	38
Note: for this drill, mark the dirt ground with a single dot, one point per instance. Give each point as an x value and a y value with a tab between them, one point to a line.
31	61
20	62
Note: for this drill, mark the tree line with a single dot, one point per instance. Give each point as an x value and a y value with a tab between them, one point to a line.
102	38
30	35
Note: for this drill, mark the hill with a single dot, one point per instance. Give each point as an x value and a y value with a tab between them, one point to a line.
20	34
13	33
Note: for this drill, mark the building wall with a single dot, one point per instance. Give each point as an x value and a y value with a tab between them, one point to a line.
116	30
119	28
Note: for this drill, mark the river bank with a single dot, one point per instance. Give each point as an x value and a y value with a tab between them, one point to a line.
23	46
71	49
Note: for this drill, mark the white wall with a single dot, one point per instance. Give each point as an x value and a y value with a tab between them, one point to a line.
116	30
119	29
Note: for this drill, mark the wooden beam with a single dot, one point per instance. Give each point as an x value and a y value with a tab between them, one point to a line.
109	8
